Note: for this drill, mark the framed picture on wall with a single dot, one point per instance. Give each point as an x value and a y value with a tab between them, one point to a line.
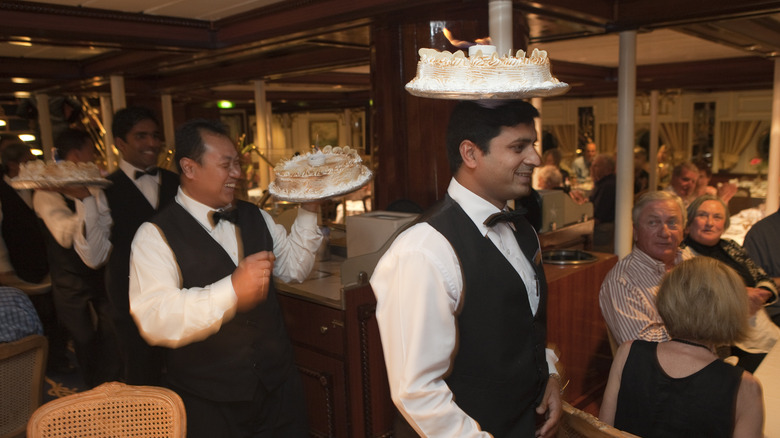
323	133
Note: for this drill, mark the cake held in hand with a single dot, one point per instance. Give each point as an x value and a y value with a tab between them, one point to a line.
484	75
333	171
37	174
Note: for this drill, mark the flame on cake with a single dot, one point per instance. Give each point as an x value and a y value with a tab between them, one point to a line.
465	44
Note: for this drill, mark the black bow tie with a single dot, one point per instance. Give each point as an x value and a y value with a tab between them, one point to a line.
230	215
505	216
150	171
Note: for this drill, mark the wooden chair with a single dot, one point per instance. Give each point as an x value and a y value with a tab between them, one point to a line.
22	368
112	409
578	424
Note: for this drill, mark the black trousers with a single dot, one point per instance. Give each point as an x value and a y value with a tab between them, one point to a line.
278	413
85	313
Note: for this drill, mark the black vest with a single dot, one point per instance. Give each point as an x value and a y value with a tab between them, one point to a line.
253	347
69	275
23	236
499	372
129	209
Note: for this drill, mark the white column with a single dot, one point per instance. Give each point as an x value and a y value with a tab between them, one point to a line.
261	136
107	114
118	92
169	129
539	124
44	123
625	138
500	25
652	151
773	171
346	129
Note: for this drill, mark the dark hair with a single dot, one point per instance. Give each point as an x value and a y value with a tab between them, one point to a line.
13	153
480	122
71	139
189	139
126	118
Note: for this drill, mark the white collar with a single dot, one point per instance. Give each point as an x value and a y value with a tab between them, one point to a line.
477	208
197	209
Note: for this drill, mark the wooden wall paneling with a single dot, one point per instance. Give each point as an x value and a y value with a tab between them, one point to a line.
577	329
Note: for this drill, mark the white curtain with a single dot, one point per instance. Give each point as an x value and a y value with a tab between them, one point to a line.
735	136
567	140
607	138
675	136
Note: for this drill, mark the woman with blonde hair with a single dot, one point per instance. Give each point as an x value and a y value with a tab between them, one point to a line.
680	388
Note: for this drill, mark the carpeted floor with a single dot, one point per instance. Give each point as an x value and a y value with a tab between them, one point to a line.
61	383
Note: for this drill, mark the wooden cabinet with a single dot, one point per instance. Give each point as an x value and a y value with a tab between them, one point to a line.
339	355
577	330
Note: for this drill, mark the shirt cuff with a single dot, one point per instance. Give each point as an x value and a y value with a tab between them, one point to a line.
224	296
307	218
552	359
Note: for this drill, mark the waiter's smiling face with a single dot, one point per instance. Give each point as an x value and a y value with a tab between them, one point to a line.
212	181
505	171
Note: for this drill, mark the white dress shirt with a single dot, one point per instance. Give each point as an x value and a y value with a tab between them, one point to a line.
86	230
171	316
418	285
149	185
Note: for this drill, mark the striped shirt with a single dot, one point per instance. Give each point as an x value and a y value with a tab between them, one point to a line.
627	297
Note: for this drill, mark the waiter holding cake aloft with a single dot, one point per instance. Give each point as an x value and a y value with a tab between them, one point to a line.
462	296
201	283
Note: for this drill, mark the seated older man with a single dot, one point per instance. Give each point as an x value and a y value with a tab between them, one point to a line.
627	296
683	184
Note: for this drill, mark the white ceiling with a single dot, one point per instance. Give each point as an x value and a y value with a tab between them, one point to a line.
656	47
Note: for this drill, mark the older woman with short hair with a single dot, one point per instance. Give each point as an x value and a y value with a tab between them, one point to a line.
681	388
708	218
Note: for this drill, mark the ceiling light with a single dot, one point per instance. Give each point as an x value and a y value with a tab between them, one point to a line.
20	80
26	137
22	95
20	41
225	104
36	152
2	122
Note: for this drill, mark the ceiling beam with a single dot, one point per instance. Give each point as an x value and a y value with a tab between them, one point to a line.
98	27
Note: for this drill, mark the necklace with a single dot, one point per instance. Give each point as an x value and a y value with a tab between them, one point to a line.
695	344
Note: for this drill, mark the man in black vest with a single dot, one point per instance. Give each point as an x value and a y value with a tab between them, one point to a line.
77	223
139	190
23	261
201	284
461	295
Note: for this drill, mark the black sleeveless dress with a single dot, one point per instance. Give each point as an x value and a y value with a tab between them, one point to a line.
652	404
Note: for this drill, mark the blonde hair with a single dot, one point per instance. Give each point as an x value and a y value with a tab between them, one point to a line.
705	300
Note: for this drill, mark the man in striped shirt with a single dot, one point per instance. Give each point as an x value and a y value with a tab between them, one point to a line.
627	296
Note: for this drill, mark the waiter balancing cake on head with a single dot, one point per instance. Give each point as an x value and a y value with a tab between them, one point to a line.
461	295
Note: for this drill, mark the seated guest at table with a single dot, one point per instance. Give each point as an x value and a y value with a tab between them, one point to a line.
725	191
549	178
201	284
679	387
18	317
683	184
627	295
708	217
553	157
641	177
762	243
581	164
602	170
